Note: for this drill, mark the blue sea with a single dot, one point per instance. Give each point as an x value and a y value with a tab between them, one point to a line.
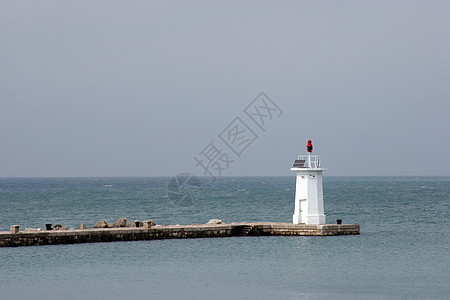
403	251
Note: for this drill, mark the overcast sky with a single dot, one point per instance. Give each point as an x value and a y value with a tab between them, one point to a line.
140	88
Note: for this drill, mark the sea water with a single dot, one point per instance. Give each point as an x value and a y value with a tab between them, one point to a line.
403	251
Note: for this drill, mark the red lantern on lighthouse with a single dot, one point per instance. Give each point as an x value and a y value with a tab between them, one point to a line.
309	146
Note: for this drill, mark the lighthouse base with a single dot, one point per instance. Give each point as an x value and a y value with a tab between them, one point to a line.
309	219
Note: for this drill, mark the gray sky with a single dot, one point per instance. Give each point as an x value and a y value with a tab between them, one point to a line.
140	88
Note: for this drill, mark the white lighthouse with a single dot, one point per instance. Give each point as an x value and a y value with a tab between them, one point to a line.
308	190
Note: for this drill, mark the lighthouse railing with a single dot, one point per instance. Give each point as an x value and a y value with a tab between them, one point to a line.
315	160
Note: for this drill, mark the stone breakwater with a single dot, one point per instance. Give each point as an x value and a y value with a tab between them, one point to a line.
15	238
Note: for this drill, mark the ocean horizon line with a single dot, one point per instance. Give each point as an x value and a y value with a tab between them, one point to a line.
228	176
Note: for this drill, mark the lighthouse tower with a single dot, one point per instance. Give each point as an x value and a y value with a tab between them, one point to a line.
308	190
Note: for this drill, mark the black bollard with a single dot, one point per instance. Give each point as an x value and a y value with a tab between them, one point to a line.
48	226
339	221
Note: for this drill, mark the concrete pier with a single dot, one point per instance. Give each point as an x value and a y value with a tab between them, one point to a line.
54	237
